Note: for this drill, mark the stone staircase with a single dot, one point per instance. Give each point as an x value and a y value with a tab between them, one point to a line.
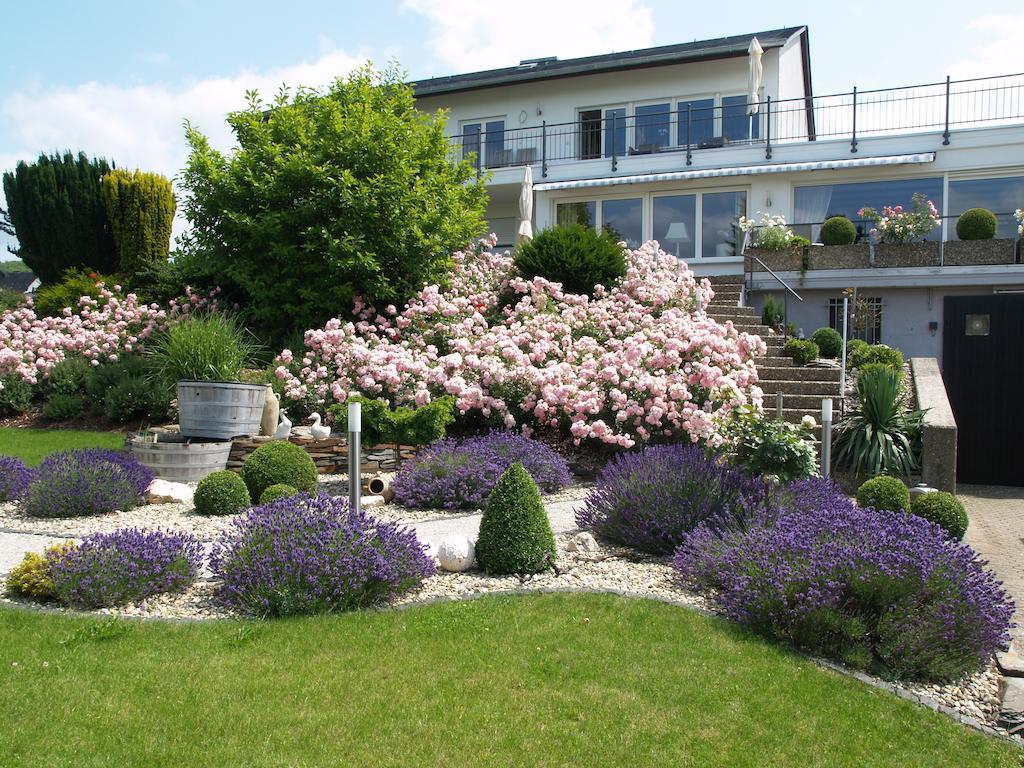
802	387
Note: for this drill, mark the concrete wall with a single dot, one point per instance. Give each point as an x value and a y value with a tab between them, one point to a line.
938	452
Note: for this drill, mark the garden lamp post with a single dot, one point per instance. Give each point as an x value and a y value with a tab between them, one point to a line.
355	426
826	436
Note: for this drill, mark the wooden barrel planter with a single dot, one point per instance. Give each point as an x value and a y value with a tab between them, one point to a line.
179	459
220	410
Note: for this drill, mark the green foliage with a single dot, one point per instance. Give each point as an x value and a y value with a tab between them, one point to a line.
401	426
203	347
31	577
56	210
884	493
11	299
942	508
830	343
803	351
63	407
52	299
137	398
976	224
515	534
140	207
277	492
855	347
333	192
12	265
15	395
279	462
878	436
221	493
858	356
866	368
576	256
763	447
105	376
773	311
838	230
68	377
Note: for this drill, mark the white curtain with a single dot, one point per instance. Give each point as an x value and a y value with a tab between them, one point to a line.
812	206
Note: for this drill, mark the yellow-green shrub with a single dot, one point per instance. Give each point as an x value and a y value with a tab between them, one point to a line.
31	577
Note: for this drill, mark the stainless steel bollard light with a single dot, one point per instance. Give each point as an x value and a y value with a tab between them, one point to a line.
826	436
355	427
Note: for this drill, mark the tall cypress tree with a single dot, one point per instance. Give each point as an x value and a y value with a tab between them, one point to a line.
55	207
140	208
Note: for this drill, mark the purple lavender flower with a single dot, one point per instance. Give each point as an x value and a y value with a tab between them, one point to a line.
460	474
14	478
86	482
306	555
124	566
651	499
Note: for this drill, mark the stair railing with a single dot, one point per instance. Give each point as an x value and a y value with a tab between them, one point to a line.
748	283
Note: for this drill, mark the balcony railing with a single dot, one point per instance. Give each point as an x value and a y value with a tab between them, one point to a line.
610	135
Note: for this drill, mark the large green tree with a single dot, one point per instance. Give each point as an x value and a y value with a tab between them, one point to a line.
55	209
350	190
140	207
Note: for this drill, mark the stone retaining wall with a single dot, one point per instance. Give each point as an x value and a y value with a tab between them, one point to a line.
938	437
330	455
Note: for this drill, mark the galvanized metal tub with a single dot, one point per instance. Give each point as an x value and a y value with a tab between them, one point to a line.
220	409
179	459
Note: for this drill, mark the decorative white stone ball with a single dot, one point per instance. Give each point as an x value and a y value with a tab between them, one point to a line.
456	553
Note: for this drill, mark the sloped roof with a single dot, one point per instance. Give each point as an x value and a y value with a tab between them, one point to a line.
17	281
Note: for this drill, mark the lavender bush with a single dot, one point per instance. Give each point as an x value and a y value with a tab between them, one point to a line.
460	474
124	566
888	592
91	481
306	555
14	478
651	499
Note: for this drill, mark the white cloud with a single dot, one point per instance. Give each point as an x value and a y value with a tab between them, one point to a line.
997	51
470	35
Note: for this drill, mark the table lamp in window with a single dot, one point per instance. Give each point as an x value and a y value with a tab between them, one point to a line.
677	233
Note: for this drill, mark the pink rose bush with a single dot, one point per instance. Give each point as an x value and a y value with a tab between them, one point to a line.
637	362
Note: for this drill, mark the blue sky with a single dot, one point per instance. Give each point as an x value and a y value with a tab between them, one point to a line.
117	78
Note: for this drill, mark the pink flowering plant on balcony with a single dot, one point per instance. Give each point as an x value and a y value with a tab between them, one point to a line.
634	362
897	225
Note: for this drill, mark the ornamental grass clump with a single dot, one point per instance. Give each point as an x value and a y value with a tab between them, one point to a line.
15	478
311	555
460	474
125	566
90	481
652	499
515	533
886	592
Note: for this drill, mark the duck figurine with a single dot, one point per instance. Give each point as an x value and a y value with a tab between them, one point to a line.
284	429
317	430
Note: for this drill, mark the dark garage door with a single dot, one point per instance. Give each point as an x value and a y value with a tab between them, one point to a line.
983	368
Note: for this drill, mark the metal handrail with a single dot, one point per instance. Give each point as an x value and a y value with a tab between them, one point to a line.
778	279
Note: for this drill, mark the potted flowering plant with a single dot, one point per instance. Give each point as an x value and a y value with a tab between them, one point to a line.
771	240
899	233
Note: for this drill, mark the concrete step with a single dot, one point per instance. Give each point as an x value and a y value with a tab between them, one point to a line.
775	361
727	280
736	314
797	373
791	401
791	387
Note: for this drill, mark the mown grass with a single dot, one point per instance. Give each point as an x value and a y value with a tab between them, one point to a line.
32	445
547	680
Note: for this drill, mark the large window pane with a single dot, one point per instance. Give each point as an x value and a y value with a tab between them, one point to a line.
576	213
1001	196
590	134
817	203
696	121
652	127
624	219
494	145
471	143
675	224
720	223
736	123
615	132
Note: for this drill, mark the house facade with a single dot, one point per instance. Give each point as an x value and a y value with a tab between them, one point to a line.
676	143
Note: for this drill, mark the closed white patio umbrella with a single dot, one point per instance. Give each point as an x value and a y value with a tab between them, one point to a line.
754	82
525	231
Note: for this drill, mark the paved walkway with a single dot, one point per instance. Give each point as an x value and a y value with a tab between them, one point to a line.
997	533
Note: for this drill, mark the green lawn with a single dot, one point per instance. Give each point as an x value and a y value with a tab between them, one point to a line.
32	445
547	680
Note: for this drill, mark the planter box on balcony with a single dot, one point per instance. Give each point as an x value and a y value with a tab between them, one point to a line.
962	253
841	256
924	254
789	260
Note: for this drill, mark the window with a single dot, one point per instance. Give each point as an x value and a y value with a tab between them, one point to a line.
1001	196
652	128
720	223
576	213
471	143
494	145
675	224
615	132
865	321
737	125
696	121
590	134
624	219
812	205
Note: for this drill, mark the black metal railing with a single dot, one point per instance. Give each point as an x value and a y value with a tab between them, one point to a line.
610	134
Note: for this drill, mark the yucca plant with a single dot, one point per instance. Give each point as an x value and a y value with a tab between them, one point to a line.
203	347
880	435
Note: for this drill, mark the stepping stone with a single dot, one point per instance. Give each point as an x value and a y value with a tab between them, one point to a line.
1010	663
1011	713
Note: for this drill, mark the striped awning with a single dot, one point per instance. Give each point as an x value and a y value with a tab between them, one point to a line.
740	170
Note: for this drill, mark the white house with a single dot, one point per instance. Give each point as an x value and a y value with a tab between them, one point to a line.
675	143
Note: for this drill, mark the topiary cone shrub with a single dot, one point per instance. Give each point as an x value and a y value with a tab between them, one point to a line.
279	462
976	224
515	534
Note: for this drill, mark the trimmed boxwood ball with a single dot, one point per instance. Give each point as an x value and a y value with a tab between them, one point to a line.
277	492
830	343
976	224
942	508
515	534
801	350
838	230
279	462
884	493
221	493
